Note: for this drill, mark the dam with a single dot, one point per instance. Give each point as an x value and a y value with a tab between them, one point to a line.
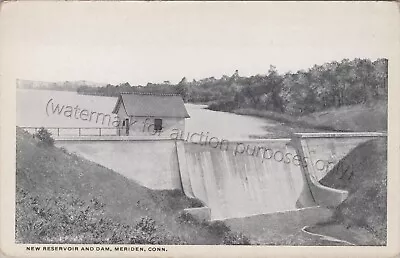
243	185
240	179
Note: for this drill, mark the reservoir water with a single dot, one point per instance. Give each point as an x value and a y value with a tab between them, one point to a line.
31	111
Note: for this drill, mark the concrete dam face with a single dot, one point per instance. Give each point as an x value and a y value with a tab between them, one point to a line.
235	180
237	184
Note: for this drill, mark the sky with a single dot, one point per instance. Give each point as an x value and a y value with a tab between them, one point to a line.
140	42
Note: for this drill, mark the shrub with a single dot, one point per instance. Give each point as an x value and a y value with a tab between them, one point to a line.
217	227
64	150
45	137
235	238
68	219
147	225
223	105
185	217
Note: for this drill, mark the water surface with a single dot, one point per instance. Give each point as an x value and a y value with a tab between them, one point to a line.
35	108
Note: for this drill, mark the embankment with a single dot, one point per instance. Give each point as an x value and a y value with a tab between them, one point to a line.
362	217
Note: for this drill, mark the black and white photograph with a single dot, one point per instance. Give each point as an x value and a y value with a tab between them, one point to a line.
142	126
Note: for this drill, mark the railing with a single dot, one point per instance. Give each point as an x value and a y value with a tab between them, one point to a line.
76	131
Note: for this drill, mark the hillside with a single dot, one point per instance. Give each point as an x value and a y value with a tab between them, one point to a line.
63	198
361	218
356	118
353	118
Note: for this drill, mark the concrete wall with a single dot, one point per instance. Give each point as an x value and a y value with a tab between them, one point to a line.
242	185
323	152
151	163
233	179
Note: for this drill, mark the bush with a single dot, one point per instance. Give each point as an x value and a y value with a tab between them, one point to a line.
64	150
235	238
217	227
187	218
225	106
68	219
45	137
147	225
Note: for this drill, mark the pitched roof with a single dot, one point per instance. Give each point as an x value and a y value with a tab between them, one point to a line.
152	105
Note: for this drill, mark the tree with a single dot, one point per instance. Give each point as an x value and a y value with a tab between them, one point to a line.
182	89
274	87
45	137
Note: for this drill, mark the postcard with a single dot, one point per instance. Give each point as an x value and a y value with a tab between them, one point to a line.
199	129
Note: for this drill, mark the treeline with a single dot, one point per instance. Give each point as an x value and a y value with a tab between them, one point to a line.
59	86
114	90
333	84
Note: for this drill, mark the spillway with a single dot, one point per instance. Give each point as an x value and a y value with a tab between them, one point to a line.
239	184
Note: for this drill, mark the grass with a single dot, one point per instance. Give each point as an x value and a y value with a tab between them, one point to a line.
344	119
63	198
362	217
360	117
283	228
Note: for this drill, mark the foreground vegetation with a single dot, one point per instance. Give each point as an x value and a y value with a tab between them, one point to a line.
63	198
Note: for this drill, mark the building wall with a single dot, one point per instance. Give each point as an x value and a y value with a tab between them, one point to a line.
144	126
